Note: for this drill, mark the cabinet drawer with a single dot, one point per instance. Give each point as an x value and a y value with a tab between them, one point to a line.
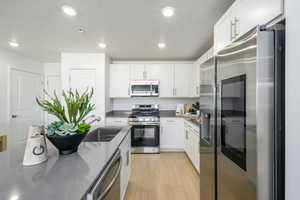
116	121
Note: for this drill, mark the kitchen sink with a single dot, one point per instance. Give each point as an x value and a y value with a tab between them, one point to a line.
105	134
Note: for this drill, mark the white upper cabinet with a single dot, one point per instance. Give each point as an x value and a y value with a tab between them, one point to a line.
243	16
175	80
164	74
196	80
257	12
223	31
137	72
119	80
183	80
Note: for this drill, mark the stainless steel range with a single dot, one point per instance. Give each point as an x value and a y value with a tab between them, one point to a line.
145	130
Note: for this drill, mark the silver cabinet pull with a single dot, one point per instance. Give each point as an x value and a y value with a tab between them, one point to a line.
236	22
231	30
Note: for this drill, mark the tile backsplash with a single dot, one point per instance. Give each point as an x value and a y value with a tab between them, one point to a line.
165	104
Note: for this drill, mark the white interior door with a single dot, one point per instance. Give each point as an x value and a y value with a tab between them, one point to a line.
81	79
53	83
24	111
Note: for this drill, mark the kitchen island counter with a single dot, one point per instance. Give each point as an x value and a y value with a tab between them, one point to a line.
66	177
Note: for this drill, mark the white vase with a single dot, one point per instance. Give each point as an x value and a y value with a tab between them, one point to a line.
36	149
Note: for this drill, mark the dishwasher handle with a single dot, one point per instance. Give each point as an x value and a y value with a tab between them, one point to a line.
117	159
105	192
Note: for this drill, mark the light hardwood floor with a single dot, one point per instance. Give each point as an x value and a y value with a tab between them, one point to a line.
165	176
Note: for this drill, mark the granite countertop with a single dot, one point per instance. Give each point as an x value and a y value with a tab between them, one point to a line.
126	113
119	113
61	177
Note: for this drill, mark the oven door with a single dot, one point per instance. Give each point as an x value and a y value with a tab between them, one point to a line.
145	135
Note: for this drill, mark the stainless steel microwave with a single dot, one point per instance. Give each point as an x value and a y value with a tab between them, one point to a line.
144	88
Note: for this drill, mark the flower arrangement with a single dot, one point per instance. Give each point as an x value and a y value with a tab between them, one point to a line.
71	113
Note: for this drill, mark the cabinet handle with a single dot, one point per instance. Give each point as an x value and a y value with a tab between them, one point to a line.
128	91
170	120
236	22
231	30
175	91
161	130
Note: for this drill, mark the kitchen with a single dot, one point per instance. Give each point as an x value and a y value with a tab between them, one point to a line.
145	81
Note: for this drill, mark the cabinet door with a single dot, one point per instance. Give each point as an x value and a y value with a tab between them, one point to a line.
183	74
164	74
196	153
257	12
137	72
125	148
172	134
119	80
196	80
186	137
223	31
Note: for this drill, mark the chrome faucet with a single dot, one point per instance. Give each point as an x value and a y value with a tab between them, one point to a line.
94	117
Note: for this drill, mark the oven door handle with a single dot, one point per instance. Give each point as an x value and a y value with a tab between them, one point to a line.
105	192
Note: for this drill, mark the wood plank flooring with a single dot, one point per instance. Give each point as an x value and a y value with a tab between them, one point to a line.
165	176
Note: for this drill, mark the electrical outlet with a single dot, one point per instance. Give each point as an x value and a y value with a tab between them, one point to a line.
3	142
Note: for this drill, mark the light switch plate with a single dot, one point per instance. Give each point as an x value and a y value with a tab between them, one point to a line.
3	142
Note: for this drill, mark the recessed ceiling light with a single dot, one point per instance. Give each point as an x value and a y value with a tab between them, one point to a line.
102	45
162	45
68	10
168	11
80	30
13	44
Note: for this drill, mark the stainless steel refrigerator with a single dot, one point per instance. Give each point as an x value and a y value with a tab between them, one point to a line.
242	119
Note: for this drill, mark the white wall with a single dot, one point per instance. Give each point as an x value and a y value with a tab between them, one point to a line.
52	69
96	61
165	104
10	59
292	99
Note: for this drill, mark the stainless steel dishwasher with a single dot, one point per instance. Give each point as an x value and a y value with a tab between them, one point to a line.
108	185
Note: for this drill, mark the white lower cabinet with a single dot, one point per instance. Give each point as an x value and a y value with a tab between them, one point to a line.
191	143
125	148
171	134
115	121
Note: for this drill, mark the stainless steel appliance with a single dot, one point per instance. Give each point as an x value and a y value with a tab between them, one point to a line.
145	131
242	119
108	186
144	88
